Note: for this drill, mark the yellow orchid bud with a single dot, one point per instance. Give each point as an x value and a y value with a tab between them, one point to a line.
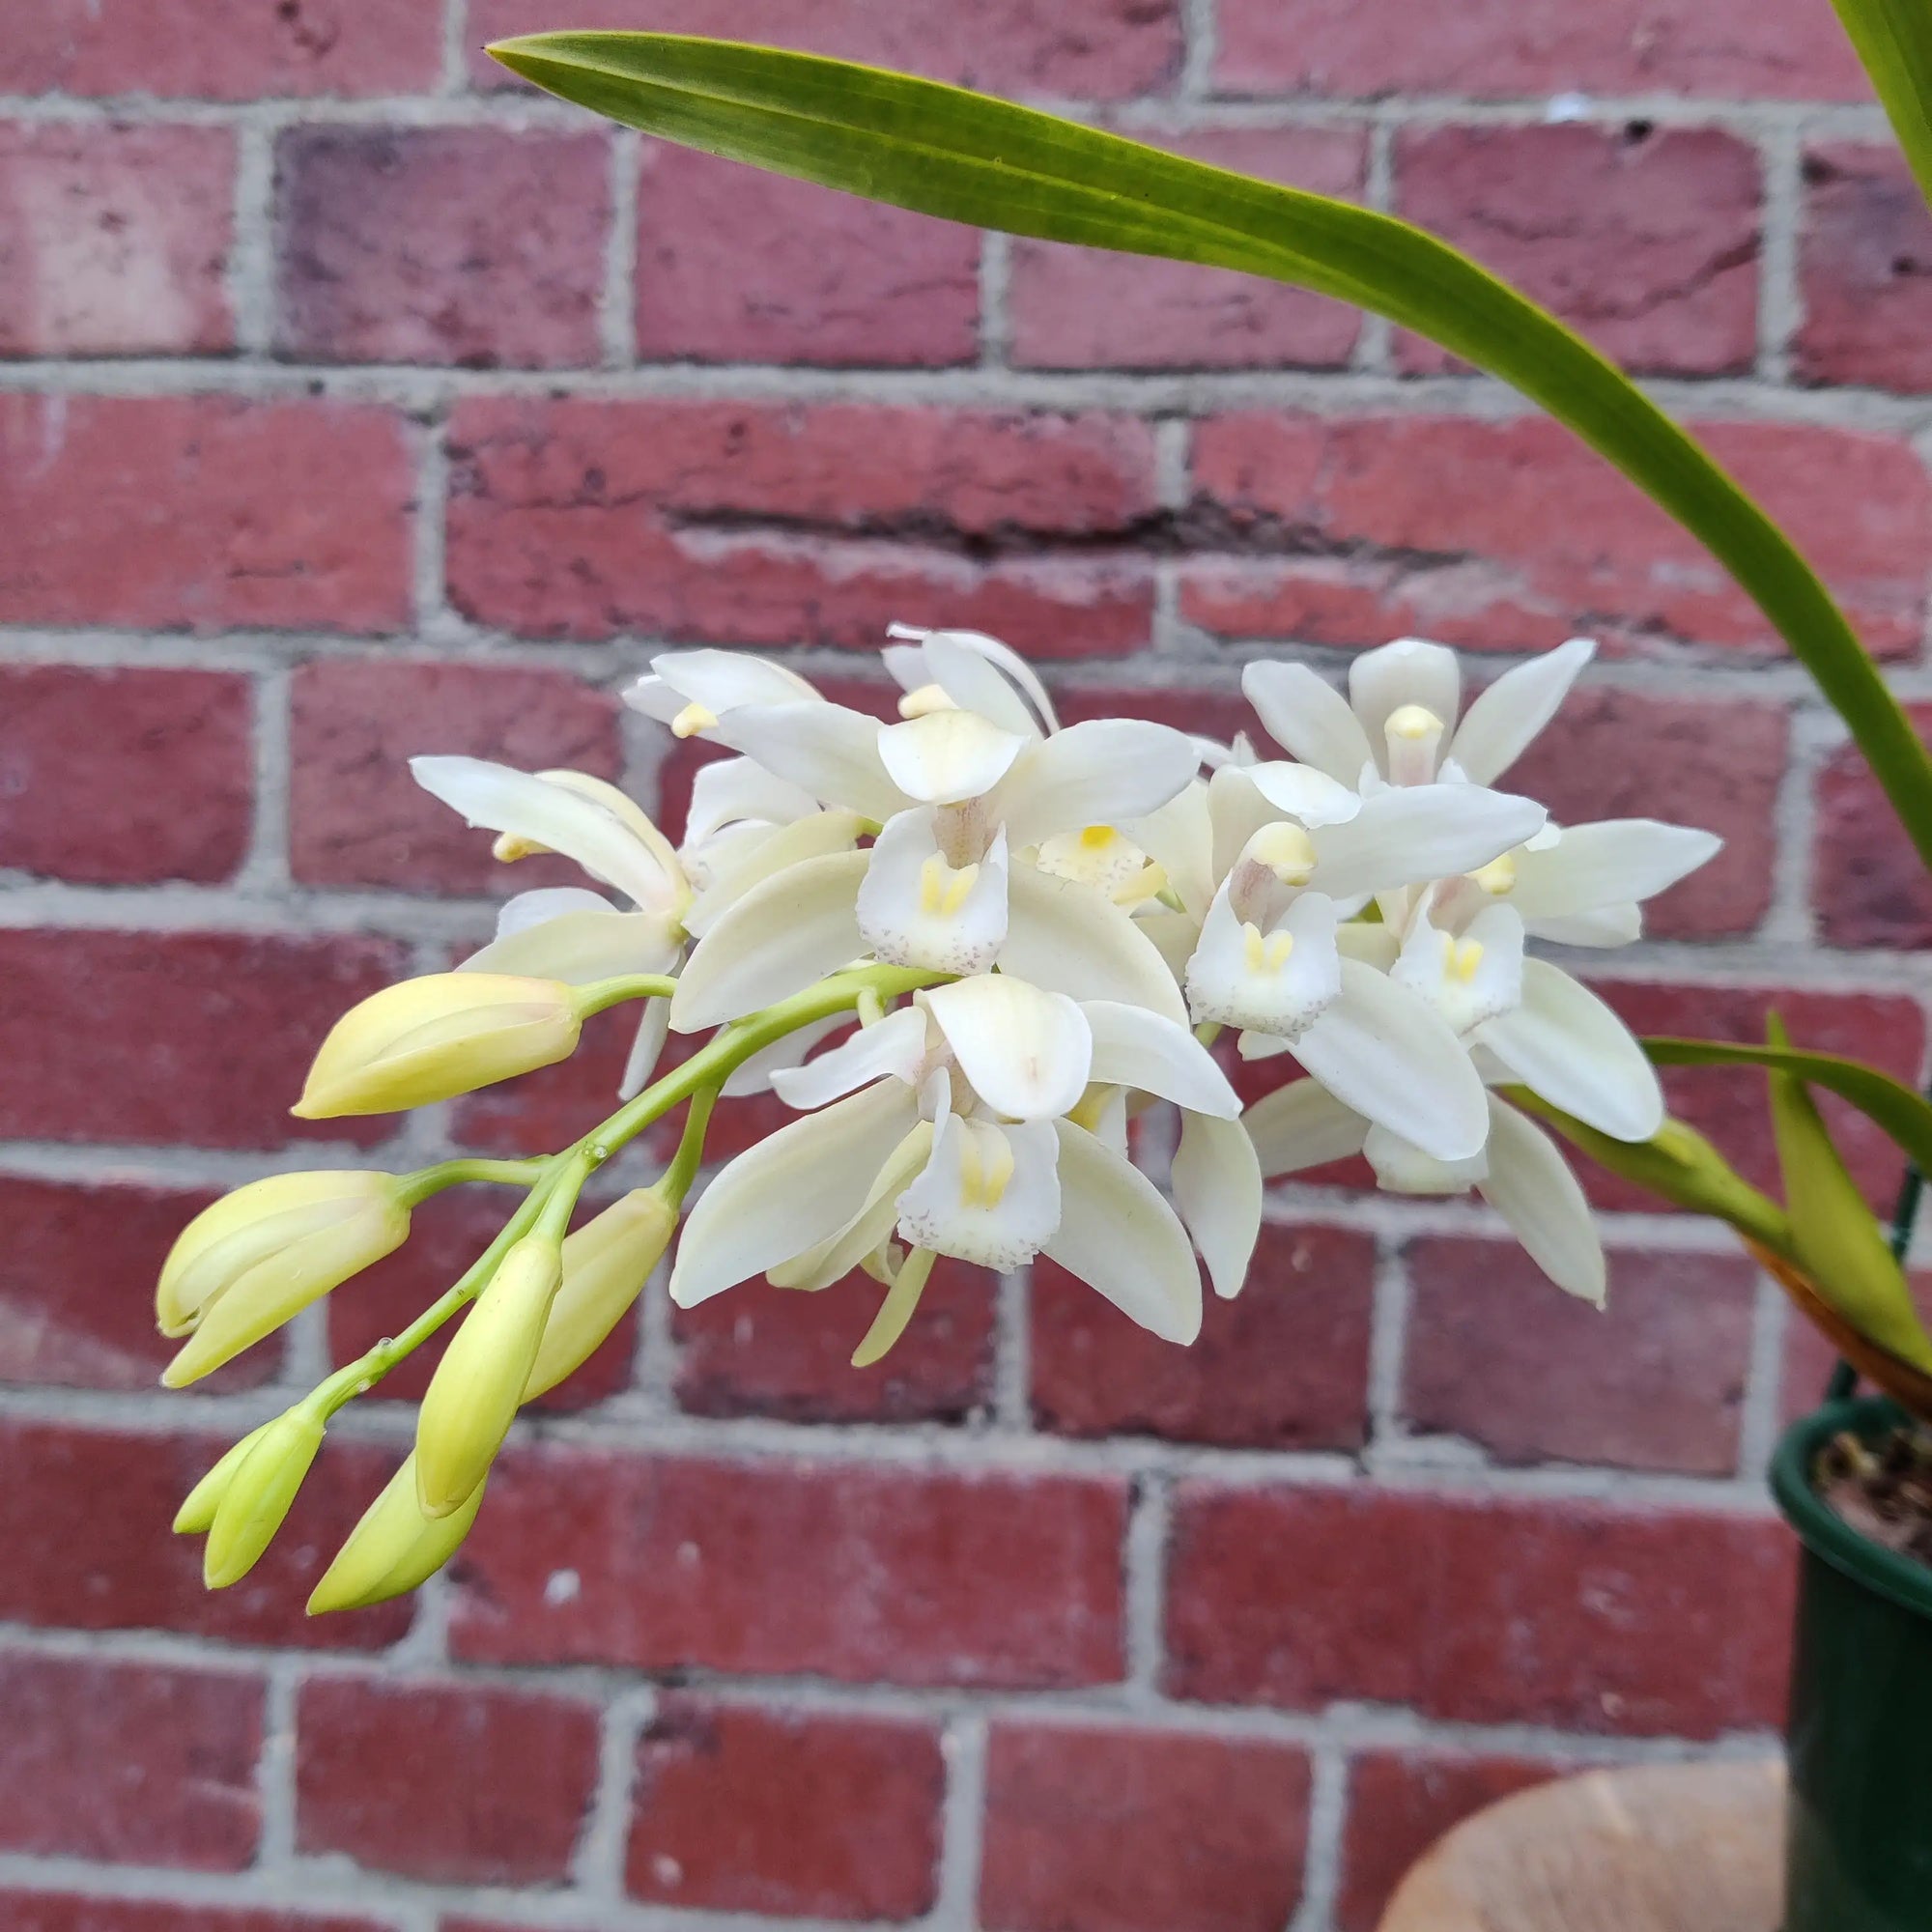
606	1263
431	1039
243	1267
394	1548
198	1506
258	1495
472	1398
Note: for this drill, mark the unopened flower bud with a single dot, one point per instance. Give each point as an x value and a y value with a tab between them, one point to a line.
258	1495
434	1038
243	1267
472	1397
394	1548
198	1506
606	1263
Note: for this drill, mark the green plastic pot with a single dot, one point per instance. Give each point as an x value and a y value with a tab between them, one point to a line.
1858	1836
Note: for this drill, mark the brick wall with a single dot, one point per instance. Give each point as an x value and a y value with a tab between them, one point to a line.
356	404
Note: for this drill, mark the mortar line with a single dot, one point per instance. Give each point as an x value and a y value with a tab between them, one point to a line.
1327	1820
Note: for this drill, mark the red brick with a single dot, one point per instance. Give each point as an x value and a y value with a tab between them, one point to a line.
735	265
1400	1803
195	1036
1868	882
542	1111
85	1514
1732	49
1077	308
357	817
70	1912
77	1286
1090	50
1864	268
1283	1366
763	1350
450	1231
1728	1103
1654	1380
130	1763
1582	1614
844	1570
221	49
1645	241
806	1813
114	240
476	246
224	513
1617	754
1108	1830
1501	535
124	777
467	1785
755	524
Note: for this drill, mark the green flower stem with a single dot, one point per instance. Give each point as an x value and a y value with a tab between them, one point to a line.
563	1175
602	994
418	1188
559	1202
675	1181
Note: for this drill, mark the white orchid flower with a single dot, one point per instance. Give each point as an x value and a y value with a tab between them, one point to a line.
1525	1019
1578	886
946	1123
1274	959
956	798
1518	1172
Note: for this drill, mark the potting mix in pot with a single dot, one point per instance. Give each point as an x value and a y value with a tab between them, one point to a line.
969	947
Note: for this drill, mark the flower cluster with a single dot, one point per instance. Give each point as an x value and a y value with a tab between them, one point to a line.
969	948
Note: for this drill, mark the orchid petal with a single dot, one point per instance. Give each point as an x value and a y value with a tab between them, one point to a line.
729	791
1002	657
1095	773
1394	1060
824	749
1301	1125
1118	1235
555	817
1609	863
783	845
948	756
721	681
1408	671
1135	1048
1603	926
792	1190
1026	1052
1566	1044
1505	716
1308	717
1304	793
834	1258
1071	939
1531	1186
973	680
1180	838
1469	977
647	1045
1235	811
784	934
1403	1168
1217	1187
1407	834
581	946
893	1048
753	1075
988	1194
915	909
1277	982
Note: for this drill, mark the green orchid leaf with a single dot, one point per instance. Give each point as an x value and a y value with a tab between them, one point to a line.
947	152
1893	1106
1893	38
1836	1240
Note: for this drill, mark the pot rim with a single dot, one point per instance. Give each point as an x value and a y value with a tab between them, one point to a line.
1822	1530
